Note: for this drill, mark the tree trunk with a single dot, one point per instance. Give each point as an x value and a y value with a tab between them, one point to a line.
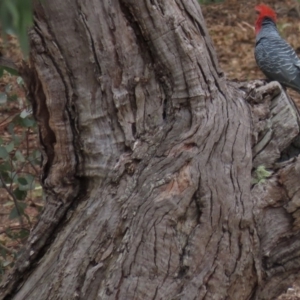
147	160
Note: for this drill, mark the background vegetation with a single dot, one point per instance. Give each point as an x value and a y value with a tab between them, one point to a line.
20	191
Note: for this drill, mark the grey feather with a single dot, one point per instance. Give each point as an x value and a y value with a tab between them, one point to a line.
275	57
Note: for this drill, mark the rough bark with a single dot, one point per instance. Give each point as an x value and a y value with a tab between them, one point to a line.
147	161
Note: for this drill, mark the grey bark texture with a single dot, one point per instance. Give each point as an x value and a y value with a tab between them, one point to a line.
154	166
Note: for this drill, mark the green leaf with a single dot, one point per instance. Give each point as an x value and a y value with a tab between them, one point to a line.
35	157
17	140
3	98
5	166
13	174
27	122
4	171
26	20
10	71
10	128
8	88
3	152
261	174
22	181
12	98
19	156
14	212
6	263
8	204
10	147
20	195
25	113
2	252
26	182
20	81
23	233
11	8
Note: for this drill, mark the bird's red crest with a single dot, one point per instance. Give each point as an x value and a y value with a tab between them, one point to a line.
264	11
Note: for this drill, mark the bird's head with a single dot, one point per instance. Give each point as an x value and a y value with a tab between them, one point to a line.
263	12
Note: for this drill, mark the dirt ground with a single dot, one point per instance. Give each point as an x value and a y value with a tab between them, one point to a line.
231	26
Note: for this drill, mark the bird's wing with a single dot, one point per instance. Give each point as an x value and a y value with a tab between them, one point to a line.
284	59
297	64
